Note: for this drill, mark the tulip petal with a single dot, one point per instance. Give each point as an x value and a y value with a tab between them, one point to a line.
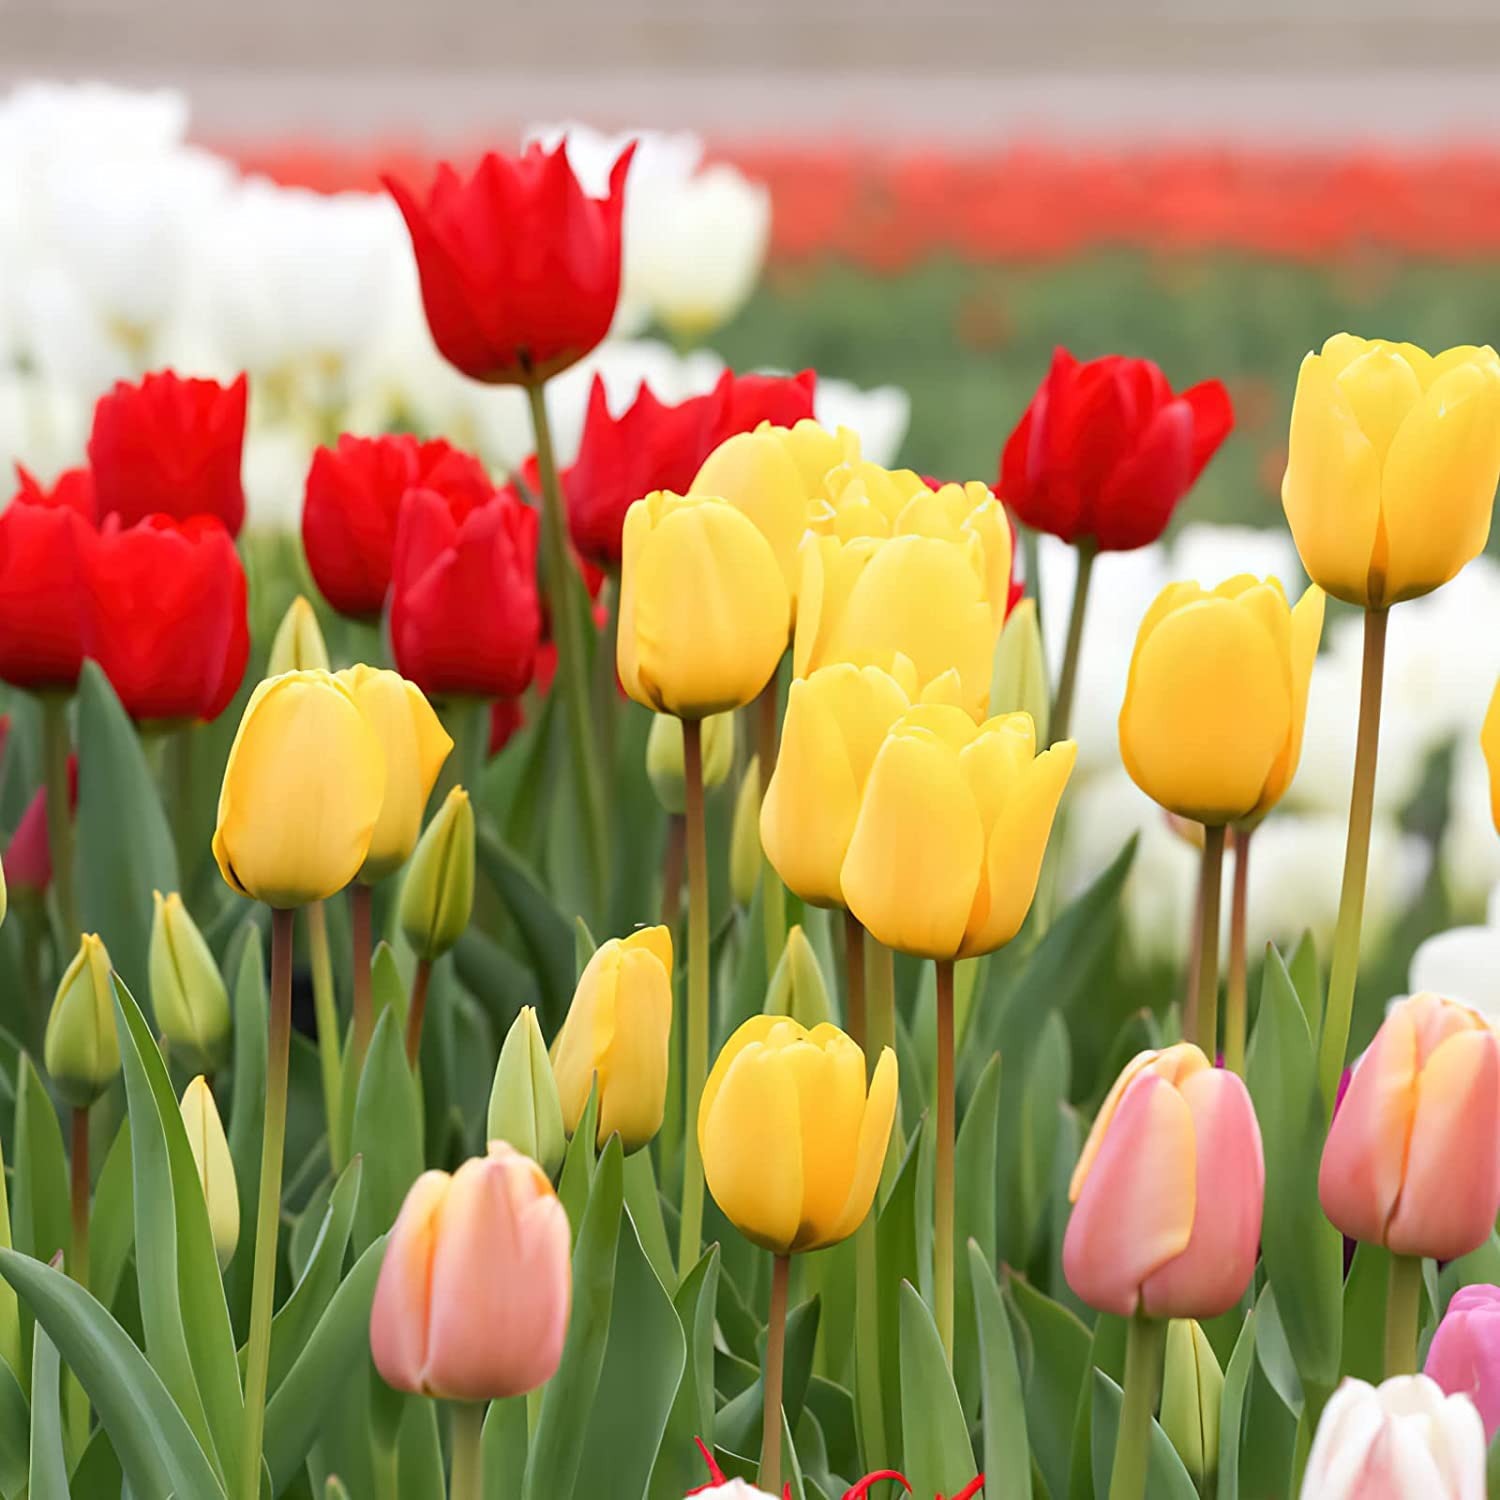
1307	631
402	1307
1381	388
869	1153
829	1073
632	1065
756	475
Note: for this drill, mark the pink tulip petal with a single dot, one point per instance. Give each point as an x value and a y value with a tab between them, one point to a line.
398	1317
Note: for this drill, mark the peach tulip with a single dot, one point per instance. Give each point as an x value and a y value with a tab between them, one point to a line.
1168	1192
473	1297
1412	1160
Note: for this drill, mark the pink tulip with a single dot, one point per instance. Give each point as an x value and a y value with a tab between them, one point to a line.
1412	1160
1465	1355
1168	1192
473	1297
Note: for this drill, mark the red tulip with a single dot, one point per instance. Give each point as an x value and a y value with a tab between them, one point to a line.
42	535
28	856
520	268
464	612
170	446
353	500
164	615
72	489
1105	451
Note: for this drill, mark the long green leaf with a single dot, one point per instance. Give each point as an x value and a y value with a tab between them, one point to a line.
1166	1478
16	1422
10	1310
387	1134
247	1110
112	1218
503	1449
1007	1453
974	1219
897	1263
692	1415
39	1216
48	1478
937	1458
1053	1371
1232	1409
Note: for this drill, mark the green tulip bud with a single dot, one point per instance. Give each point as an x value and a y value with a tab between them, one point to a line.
1019	680
524	1106
298	644
744	840
1192	1388
81	1049
221	1194
188	993
664	764
797	987
439	891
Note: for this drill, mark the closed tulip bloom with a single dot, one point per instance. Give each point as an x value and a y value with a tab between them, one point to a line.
1464	1357
792	1143
302	792
437	896
42	537
664	763
73	489
1489	742
81	1049
952	827
1391	465
1192	1392
188	995
703	606
474	1291
205	1133
28	855
1405	1440
415	745
615	1038
524	1106
298	645
1216	699
1412	1159
797	987
1168	1193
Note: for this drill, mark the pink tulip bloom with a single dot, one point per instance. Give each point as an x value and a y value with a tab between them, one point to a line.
1168	1193
473	1297
1465	1355
1412	1160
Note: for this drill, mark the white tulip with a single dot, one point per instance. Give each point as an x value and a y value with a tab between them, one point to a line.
274	473
43	425
879	415
1463	964
733	1489
1470	850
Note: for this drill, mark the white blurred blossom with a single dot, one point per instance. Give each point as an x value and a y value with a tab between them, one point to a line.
1463	963
879	415
43	426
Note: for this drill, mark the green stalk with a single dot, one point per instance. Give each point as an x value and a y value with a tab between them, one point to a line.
1145	1349
78	1163
467	721
415	1010
466	1479
325	1008
770	1432
364	1004
942	1225
1344	970
1236	1005
1403	1308
1206	988
695	1069
1067	678
59	813
772	892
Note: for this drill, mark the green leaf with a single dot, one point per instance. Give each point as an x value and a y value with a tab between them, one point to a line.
252	1019
738	1424
577	1179
98	1471
503	1449
387	1133
124	842
16	1422
1302	970
644	1203
157	1450
974	1219
937	1458
10	1310
896	1264
1166	1478
1363	1353
1274	1354
1007	1453
1053	1369
48	1479
39	1217
692	1416
1232	1409
583	945
112	1218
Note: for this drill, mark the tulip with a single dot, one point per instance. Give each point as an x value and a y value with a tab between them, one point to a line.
745	849
73	489
1168	1192
42	538
797	988
703	606
1191	1393
298	644
1404	1440
81	1049
615	1038
474	1290
664	767
1391	466
437	896
188	996
1464	1356
171	446
524	1106
1489	742
205	1133
28	855
302	792
1019	681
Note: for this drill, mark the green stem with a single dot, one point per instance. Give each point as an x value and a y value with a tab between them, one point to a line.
78	1255
364	1005
1403	1307
268	1210
1344	970
557	578
1067	678
178	761
772	892
854	997
415	1010
1236	998
942	1226
467	721
1206	987
1145	1348
386	1461
325	1009
770	1432
466	1479
56	746
695	1069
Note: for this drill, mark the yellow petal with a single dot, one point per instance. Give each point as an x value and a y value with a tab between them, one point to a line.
1381	388
1306	631
869	1152
755	474
1489	742
829	1073
633	1064
655	940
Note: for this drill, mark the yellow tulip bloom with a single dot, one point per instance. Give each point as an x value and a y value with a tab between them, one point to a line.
1216	700
302	791
952	827
792	1144
298	644
1392	464
814	449
704	609
1489	742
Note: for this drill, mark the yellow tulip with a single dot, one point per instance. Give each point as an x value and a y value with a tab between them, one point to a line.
1216	699
298	645
792	1145
302	791
814	449
664	764
205	1133
1392	465
415	745
1489	742
952	827
616	1032
704	609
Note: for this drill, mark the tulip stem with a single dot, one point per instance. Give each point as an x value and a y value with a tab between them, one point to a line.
770	1434
557	578
268	1210
364	1008
1344	969
772	892
1067	677
695	1070
78	1163
1145	1348
325	1009
1205	1003
1236	995
466	1478
854	970
415	1010
1403	1308
60	813
942	1227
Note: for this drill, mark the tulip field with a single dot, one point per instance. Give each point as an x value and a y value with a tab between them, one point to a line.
573	931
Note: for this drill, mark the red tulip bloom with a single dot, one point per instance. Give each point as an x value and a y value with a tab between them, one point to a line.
1105	451
164	615
72	489
520	268
28	856
464	613
749	400
170	446
42	534
353	501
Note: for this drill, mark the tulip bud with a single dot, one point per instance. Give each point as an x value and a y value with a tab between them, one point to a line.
797	988
205	1133
744	841
524	1107
1192	1388
439	891
1019	682
1464	1357
188	994
4	896
298	644
81	1049
664	763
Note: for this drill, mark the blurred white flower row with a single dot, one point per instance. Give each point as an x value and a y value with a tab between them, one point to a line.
124	248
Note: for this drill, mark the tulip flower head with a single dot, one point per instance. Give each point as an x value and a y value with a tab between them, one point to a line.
792	1142
664	763
188	995
1464	1356
474	1291
210	1148
1412	1159
42	537
745	851
437	896
524	1106
1168	1193
81	1049
298	645
1391	465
